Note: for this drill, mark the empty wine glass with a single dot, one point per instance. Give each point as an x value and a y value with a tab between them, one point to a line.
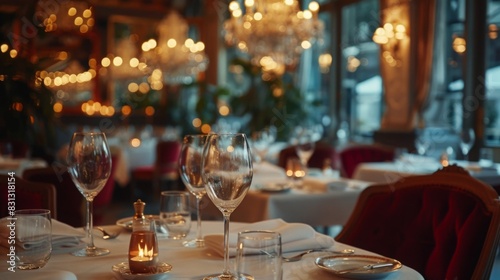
89	164
227	173
190	169
261	140
467	138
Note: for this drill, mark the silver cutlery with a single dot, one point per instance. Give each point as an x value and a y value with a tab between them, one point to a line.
365	267
107	235
298	257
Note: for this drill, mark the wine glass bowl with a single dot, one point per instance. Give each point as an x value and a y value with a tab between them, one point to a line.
467	138
261	140
227	172
89	164
190	170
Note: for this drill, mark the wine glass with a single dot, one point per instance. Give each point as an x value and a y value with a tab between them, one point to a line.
466	141
261	140
190	170
89	164
227	173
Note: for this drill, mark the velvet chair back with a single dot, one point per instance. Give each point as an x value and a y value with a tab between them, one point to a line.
443	225
26	195
351	156
70	202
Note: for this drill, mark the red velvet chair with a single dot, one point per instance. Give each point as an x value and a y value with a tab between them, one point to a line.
351	156
444	225
322	153
27	195
70	202
165	167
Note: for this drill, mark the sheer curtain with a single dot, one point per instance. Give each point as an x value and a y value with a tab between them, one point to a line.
425	11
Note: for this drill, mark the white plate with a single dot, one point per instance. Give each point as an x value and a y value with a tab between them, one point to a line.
123	272
335	265
275	187
127	222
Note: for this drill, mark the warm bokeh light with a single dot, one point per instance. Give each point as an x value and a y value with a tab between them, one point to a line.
58	107
196	122
224	110
126	110
135	142
206	128
149	111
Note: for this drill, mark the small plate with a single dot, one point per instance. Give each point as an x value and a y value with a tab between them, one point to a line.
275	187
336	264
127	222
122	271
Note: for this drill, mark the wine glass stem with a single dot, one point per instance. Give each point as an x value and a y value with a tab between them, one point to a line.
198	231
90	225
226	270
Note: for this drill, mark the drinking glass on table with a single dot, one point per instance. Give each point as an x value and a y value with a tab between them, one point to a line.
258	255
227	173
190	170
467	138
175	214
89	164
33	232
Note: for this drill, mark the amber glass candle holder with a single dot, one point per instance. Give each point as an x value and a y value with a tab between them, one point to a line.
143	252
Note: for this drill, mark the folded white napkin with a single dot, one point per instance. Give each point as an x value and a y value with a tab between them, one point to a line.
65	238
38	274
294	237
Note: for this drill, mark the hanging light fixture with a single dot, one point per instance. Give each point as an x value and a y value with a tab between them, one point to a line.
273	32
389	37
174	58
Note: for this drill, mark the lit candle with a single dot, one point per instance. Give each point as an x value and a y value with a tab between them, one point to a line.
143	252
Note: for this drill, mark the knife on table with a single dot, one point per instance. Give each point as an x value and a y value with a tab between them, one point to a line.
365	267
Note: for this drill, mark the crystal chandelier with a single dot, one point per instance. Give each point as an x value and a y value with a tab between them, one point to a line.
179	58
273	32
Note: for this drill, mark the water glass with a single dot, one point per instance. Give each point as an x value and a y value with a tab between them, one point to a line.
175	214
258	255
33	236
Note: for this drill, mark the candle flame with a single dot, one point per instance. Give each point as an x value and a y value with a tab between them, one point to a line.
144	252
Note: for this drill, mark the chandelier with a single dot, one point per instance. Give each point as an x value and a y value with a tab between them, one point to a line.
65	15
273	32
174	58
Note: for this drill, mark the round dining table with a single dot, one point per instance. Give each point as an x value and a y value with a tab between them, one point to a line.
187	263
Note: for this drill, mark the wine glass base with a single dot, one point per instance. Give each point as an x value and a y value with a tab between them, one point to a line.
195	243
223	277
91	252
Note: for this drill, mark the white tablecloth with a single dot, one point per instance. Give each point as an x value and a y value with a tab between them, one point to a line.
323	201
187	263
388	172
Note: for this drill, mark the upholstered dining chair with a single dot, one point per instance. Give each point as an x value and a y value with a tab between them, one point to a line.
27	195
165	167
351	156
70	202
444	225
323	153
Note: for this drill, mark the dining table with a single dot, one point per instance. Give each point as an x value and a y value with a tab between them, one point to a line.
388	172
187	263
319	200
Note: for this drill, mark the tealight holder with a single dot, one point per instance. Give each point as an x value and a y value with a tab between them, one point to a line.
143	247
143	252
295	172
